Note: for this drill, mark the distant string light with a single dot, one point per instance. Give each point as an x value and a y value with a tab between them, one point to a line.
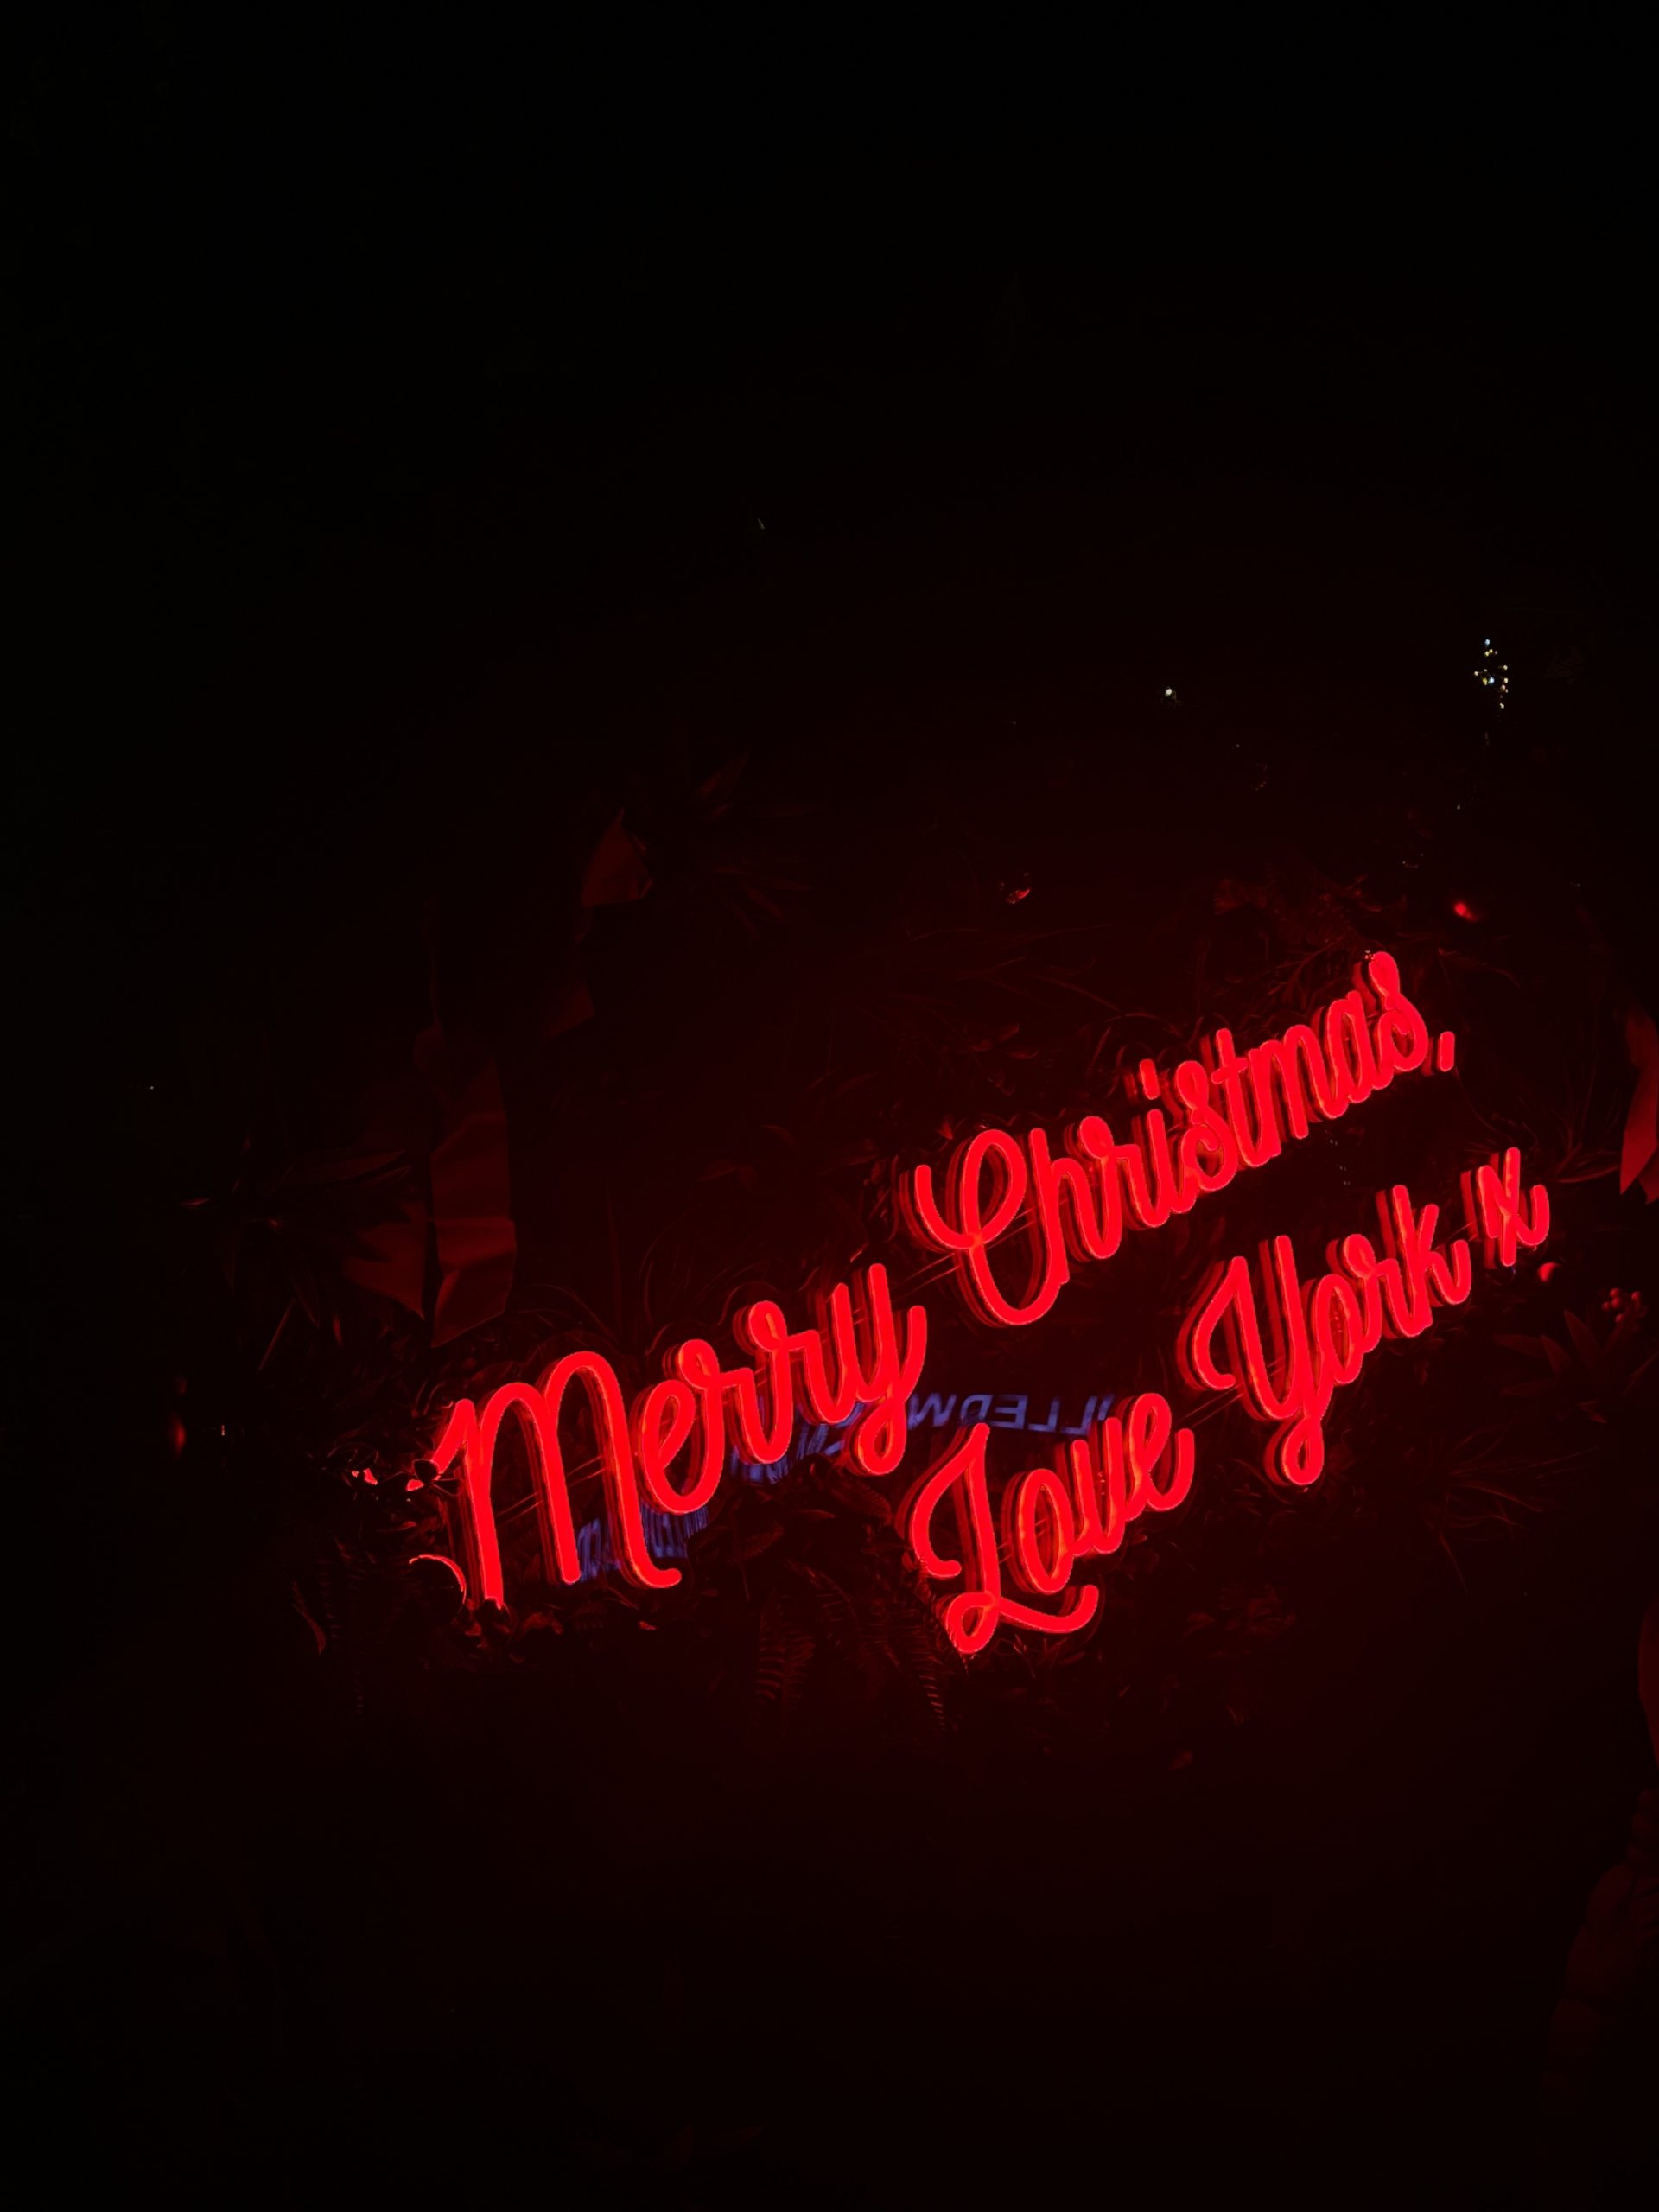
1493	673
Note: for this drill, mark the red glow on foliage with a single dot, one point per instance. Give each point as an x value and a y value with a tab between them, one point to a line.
442	1558
1548	1269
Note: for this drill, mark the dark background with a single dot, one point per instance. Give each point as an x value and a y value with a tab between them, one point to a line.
410	470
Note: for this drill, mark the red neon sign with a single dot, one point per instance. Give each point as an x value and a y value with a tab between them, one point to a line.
1238	1108
1288	1346
1320	1339
1081	1508
847	1363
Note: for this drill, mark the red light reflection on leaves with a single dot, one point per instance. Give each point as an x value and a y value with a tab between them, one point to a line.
442	1558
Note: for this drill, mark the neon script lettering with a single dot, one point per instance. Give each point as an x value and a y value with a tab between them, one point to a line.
1289	1353
1506	1221
673	1444
1283	1347
1236	1110
1052	1516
